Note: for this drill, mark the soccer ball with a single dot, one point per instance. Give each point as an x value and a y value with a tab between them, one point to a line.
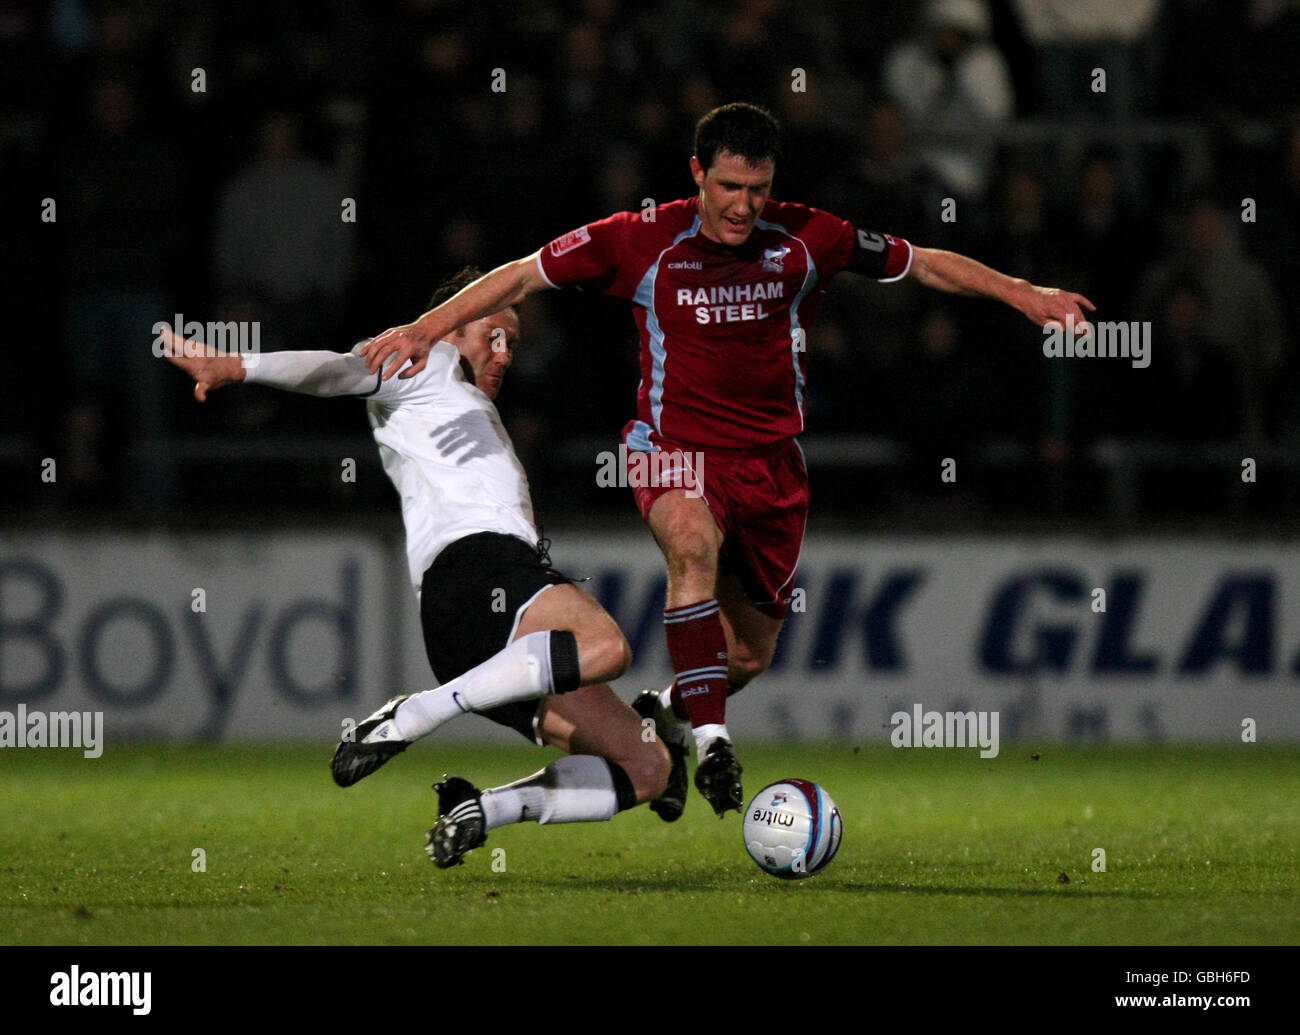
793	829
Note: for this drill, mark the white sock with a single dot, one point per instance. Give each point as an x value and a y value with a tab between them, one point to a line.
519	672
707	734
671	727
573	789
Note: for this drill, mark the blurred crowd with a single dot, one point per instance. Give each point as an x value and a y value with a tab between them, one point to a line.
201	158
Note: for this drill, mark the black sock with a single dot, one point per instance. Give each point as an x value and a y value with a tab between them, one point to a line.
566	670
624	792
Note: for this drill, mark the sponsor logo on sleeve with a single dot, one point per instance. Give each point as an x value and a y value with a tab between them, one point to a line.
573	239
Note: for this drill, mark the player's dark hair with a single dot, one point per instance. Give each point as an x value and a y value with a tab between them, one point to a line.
745	130
454	284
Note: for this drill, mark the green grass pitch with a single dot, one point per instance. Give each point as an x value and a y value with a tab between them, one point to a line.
1202	846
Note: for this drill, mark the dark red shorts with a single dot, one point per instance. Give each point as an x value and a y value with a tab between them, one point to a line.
759	500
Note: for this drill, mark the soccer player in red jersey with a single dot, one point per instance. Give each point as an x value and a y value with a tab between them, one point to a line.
724	287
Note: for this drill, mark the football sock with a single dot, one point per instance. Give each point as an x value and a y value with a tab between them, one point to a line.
671	720
697	646
573	789
670	699
707	734
540	663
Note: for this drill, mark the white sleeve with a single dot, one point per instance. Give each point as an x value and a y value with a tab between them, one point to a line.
312	373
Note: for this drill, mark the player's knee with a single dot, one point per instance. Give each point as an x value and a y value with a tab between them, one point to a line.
619	653
605	654
690	548
693	561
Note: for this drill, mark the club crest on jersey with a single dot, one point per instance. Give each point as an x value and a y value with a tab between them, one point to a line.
573	239
774	258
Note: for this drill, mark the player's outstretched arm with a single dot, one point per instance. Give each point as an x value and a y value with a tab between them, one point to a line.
314	372
960	275
505	286
209	370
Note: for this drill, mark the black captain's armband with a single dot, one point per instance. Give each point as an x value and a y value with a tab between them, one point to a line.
877	255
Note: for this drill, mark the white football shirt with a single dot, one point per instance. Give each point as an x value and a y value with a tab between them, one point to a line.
440	438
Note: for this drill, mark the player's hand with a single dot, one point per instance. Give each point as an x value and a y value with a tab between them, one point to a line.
395	347
201	362
1052	305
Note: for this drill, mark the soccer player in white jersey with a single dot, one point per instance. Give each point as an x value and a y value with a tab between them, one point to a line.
541	664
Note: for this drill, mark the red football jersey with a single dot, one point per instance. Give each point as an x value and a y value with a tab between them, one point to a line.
723	330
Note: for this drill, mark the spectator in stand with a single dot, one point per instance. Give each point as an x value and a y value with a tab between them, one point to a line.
954	87
1196	389
1242	315
1100	238
1233	60
1273	239
1073	37
282	248
810	136
882	176
118	201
